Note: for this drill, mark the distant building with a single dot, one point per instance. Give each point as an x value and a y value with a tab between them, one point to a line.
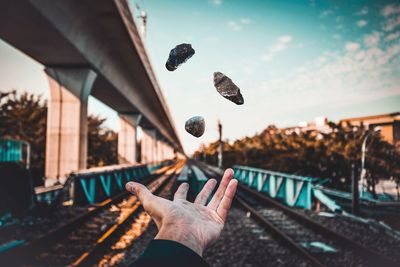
389	124
320	124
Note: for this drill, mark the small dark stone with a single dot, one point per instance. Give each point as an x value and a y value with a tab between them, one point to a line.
179	55
227	88
195	126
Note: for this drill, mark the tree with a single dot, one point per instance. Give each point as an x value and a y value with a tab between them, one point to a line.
102	143
313	153
24	116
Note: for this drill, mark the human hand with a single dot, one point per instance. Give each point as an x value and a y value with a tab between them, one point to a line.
195	225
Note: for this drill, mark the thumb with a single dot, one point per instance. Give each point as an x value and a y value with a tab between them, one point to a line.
152	204
142	193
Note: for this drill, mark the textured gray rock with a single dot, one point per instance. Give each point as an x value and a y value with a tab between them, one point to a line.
195	126
180	54
227	88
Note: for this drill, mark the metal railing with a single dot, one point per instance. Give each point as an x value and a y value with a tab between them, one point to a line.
12	151
293	190
93	187
96	184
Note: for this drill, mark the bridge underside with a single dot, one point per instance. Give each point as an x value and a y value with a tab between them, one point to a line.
87	49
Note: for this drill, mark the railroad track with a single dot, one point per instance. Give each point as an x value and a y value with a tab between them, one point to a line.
63	245
119	247
130	210
297	231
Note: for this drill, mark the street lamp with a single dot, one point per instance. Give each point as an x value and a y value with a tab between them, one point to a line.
363	152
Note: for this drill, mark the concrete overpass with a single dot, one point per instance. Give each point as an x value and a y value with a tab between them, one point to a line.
91	48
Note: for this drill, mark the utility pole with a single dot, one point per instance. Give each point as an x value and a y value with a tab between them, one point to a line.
220	145
363	154
354	191
143	16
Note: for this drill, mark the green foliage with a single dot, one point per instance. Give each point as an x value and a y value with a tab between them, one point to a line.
102	143
326	154
24	116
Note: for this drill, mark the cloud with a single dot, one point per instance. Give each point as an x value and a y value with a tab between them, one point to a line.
234	25
267	57
390	10
363	11
279	46
337	36
339	19
391	23
285	39
238	25
392	36
245	21
211	39
339	27
337	78
352	46
372	40
216	2
362	23
325	13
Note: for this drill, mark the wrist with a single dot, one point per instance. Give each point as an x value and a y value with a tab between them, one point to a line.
186	238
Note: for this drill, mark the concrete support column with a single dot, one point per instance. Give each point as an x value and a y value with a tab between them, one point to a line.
66	137
163	157
166	151
160	154
168	154
126	143
153	134
144	144
127	138
148	146
163	151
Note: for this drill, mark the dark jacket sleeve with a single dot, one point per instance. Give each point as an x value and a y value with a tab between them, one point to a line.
169	253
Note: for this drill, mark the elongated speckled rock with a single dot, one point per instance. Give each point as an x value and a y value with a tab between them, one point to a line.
227	88
195	126
179	55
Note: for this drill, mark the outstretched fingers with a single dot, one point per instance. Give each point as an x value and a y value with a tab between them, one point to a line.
181	192
227	199
202	197
151	203
141	191
216	200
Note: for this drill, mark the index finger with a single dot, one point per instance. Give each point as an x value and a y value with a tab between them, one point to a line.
216	199
226	201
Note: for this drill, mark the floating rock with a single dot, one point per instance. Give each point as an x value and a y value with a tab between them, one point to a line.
179	55
227	88
195	126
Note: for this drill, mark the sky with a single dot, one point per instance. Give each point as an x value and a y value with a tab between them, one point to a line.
293	60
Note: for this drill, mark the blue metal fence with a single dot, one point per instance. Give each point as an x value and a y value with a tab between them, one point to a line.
94	187
293	190
14	151
10	150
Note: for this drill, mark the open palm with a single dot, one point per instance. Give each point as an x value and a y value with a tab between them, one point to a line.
196	224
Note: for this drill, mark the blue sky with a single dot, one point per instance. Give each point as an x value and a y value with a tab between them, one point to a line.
293	60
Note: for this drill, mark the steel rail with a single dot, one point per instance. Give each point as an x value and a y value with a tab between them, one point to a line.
363	251
88	257
283	237
279	234
32	247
